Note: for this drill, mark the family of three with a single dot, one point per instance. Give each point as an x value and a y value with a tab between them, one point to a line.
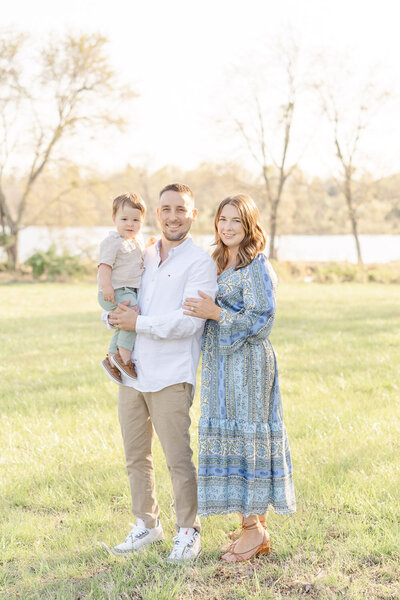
188	301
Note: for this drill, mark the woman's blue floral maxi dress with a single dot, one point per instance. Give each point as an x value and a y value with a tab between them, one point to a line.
244	455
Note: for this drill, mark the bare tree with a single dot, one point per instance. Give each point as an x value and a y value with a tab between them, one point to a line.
348	122
268	143
69	90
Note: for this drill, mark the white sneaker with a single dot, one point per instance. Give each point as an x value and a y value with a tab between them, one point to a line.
187	545
139	537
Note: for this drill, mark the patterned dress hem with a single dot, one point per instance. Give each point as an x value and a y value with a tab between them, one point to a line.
232	509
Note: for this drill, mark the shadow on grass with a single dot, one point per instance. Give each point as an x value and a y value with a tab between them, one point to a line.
145	575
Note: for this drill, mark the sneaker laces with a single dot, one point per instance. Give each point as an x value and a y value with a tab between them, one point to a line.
183	539
137	530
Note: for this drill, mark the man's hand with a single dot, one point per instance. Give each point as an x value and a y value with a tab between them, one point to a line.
124	317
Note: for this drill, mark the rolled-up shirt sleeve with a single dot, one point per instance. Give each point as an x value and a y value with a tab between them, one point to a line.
104	318
174	324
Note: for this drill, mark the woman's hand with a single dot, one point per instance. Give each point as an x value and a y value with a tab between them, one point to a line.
204	308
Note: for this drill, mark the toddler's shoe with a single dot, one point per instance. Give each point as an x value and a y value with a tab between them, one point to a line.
128	369
112	371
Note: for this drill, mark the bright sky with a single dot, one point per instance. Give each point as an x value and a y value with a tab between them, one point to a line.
177	53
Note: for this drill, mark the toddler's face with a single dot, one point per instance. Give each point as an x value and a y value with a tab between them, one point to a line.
128	221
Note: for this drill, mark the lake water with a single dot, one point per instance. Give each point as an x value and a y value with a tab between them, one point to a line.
85	241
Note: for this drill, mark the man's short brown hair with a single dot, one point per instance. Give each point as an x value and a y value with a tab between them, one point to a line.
178	187
131	199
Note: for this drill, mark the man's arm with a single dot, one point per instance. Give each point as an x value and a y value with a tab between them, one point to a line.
174	324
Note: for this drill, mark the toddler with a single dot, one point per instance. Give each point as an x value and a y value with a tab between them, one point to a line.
120	269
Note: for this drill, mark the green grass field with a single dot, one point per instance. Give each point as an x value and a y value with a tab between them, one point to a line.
63	487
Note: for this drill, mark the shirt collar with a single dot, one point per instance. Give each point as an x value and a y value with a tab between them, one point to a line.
116	235
177	249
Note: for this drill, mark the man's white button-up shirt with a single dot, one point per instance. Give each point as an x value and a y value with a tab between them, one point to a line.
167	347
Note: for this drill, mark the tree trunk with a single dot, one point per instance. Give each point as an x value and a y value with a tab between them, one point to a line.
357	241
272	229
12	252
353	219
2	220
9	231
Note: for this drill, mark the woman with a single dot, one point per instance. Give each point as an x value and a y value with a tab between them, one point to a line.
244	455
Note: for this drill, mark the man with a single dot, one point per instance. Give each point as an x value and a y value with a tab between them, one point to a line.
166	355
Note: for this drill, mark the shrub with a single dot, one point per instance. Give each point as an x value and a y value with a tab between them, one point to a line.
6	240
53	265
386	273
336	272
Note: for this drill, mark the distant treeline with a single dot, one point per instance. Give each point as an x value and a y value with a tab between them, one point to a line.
74	196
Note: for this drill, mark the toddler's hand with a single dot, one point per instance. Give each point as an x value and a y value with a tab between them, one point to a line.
109	295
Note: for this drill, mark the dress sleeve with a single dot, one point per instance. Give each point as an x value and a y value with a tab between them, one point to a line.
254	318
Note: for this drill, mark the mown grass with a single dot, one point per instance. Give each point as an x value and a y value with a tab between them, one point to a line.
63	484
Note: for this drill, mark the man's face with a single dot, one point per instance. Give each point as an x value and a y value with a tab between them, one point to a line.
175	214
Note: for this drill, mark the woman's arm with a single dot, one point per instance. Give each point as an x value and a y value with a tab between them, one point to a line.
235	326
258	310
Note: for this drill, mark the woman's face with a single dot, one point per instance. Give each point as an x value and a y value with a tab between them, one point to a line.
230	228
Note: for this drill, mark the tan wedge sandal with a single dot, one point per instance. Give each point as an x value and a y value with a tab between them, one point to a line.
263	548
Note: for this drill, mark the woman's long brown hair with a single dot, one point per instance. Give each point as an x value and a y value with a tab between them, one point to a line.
254	240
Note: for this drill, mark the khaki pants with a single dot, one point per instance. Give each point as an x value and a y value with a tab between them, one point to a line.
166	412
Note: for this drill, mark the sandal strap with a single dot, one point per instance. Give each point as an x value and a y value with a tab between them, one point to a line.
249	526
265	541
258	547
247	551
